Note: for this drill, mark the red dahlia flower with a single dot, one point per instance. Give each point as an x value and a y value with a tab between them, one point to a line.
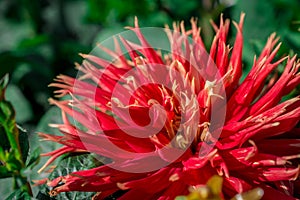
169	121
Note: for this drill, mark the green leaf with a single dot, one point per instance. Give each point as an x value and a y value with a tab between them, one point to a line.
6	187
22	106
33	42
52	116
24	144
68	165
12	162
8	124
11	155
4	173
3	86
4	142
7	113
34	158
19	195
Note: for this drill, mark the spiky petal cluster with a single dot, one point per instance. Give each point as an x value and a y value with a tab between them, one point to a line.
257	147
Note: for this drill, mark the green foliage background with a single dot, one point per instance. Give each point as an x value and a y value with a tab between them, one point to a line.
40	39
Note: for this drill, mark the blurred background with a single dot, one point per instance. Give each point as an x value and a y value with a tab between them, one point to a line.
40	39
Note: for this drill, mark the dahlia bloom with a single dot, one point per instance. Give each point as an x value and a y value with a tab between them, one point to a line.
176	121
